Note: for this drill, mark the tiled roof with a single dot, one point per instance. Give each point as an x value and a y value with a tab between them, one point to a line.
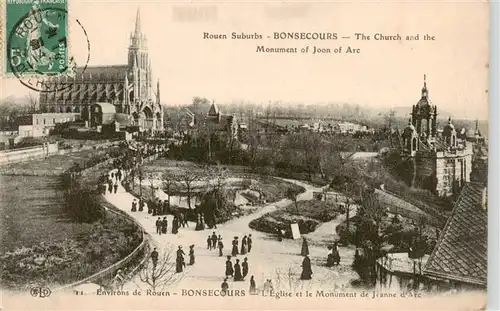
461	252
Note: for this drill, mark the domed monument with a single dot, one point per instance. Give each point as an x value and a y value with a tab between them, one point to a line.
442	162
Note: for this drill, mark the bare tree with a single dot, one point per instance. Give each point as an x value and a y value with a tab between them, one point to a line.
289	280
32	102
151	178
218	176
140	174
188	178
162	274
292	193
168	184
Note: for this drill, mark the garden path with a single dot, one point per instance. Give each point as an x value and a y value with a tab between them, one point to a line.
268	258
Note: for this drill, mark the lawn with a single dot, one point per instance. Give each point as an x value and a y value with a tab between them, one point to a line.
307	214
272	189
53	165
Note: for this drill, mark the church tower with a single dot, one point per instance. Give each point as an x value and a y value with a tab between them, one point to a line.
424	117
138	62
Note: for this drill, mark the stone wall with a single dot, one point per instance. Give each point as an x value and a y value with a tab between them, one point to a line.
26	154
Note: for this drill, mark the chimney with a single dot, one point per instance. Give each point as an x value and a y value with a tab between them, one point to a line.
484	199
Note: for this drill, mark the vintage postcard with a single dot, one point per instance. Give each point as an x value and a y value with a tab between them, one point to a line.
208	155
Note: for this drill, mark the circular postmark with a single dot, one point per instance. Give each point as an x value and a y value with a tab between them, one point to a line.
37	50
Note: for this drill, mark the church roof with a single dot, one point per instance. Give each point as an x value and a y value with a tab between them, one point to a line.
101	73
461	252
214	110
106	107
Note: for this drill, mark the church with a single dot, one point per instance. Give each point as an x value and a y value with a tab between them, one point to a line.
441	160
116	93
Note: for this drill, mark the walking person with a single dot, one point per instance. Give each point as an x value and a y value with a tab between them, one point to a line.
134	205
209	243
224	286
235	251
179	261
191	255
159	225
164	225
305	247
181	219
154	257
249	242
244	245
115	186
237	271
175	225
253	289
244	265
306	269
229	267
214	240
220	245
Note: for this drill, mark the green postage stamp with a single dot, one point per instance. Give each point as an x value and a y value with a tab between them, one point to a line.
36	36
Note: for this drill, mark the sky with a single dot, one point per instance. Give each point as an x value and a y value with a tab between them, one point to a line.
384	74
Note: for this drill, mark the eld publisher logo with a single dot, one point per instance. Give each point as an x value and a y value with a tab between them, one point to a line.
40	292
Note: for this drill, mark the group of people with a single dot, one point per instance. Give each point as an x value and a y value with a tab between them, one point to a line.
215	242
180	263
246	245
111	182
238	272
162	225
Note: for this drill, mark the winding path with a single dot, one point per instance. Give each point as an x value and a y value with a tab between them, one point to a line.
267	255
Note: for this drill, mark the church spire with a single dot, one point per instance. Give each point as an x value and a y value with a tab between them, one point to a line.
158	91
137	32
425	92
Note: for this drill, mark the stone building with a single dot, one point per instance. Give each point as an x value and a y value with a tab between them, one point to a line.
128	88
440	162
225	126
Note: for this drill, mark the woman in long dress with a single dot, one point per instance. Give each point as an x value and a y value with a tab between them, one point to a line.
244	265
220	245
305	247
235	246
244	245
191	255
175	225
253	289
237	271
229	267
306	269
179	261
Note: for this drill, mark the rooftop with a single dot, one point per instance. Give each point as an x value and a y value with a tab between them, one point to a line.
461	252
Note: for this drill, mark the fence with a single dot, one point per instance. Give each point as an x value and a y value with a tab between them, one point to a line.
109	272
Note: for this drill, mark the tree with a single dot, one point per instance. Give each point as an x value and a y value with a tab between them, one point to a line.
162	274
169	182
292	193
218	176
151	178
188	178
140	174
32	100
371	213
